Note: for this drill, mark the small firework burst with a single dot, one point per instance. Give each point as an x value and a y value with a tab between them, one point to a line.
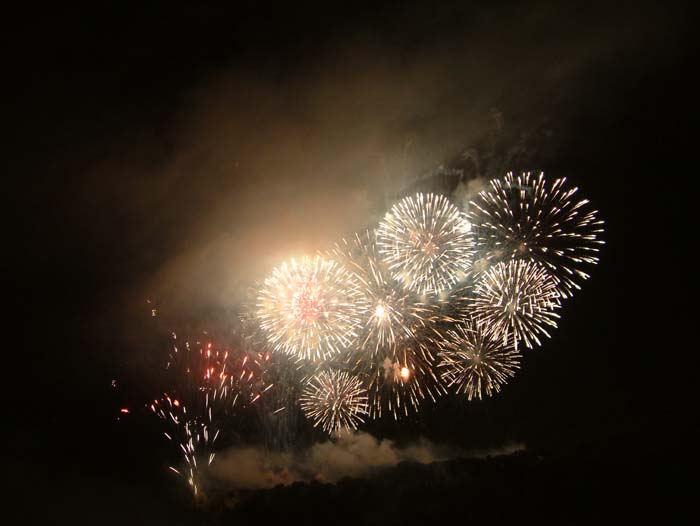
392	312
475	362
516	300
524	217
399	380
426	243
310	308
334	400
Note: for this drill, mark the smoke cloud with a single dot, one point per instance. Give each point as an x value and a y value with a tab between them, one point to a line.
350	455
262	163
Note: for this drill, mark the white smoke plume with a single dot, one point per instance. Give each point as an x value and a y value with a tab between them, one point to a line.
349	455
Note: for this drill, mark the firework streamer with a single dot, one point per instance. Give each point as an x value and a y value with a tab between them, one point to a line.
525	217
207	385
426	243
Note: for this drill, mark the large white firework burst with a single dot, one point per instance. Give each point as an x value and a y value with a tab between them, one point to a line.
426	243
525	217
475	362
516	299
310	308
334	400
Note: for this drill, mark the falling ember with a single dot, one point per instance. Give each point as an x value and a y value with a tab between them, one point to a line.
206	399
124	410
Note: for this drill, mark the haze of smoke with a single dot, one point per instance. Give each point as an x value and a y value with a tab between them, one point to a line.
468	190
262	165
350	455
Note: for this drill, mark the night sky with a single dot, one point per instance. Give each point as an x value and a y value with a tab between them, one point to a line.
178	154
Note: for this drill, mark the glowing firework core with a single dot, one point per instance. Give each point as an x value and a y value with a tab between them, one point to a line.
379	312
307	303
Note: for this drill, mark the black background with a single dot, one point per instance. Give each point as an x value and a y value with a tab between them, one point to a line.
95	83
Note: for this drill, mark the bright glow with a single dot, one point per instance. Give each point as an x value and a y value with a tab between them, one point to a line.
379	311
310	308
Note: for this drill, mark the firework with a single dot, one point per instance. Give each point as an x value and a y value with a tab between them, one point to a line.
516	300
401	378
433	299
278	413
310	308
334	400
206	385
475	362
391	355
524	217
426	242
392	312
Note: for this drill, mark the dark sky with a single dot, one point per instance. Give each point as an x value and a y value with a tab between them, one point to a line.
179	153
